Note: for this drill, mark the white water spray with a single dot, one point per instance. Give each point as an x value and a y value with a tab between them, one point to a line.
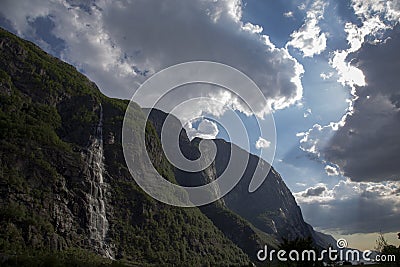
98	223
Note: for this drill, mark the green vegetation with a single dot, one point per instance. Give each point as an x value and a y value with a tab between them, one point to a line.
48	113
155	233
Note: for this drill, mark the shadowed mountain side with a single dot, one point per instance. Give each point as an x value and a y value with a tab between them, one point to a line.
271	209
237	229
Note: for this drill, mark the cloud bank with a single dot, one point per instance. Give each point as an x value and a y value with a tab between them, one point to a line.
367	147
119	44
364	143
352	207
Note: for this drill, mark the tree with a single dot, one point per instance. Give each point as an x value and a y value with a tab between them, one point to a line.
380	242
388	250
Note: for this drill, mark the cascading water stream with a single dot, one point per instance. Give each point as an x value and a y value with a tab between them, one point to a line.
98	223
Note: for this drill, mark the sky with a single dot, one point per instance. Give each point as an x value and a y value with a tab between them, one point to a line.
328	70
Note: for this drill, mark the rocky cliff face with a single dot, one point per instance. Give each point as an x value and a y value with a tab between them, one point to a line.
272	208
64	184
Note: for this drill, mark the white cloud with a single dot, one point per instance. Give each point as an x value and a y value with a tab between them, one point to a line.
288	14
262	143
301	184
120	44
302	6
317	138
349	74
206	130
326	76
386	9
332	170
307	113
309	39
347	189
356	35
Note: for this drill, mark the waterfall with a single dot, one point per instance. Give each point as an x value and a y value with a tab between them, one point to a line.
97	217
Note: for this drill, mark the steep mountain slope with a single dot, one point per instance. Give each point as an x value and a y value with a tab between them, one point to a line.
64	182
271	209
239	230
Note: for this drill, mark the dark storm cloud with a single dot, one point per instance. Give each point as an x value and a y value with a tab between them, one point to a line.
357	215
314	191
352	207
367	147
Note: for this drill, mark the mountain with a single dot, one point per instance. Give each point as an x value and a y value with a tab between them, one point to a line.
67	196
271	210
240	231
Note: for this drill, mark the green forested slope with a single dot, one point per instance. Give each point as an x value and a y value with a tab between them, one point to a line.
48	115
